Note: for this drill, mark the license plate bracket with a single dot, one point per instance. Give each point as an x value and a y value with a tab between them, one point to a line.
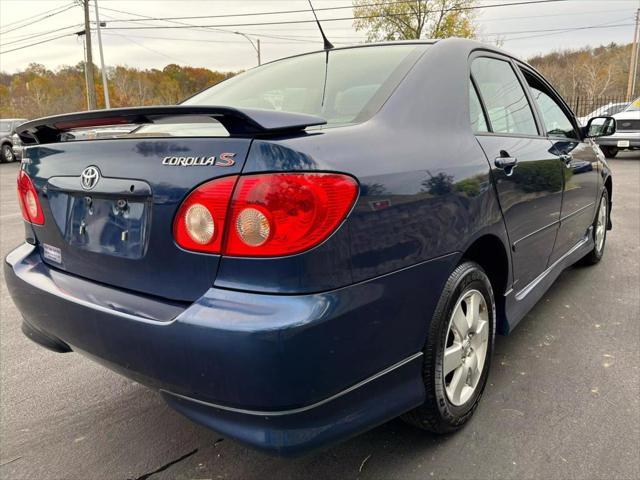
107	225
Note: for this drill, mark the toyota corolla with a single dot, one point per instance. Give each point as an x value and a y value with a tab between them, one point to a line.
315	246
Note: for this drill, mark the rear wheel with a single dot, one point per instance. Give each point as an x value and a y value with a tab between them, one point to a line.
458	351
599	231
6	153
609	152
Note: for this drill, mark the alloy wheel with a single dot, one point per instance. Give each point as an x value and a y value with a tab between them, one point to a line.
7	153
601	224
466	348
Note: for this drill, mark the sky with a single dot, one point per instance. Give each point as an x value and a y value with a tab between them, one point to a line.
220	42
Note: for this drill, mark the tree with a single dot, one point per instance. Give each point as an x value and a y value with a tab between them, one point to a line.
37	91
393	20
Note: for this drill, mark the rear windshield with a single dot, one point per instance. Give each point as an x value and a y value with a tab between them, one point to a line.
342	86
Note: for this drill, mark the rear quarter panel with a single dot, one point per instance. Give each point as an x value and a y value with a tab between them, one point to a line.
425	185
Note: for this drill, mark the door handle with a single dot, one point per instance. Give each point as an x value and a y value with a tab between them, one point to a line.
506	162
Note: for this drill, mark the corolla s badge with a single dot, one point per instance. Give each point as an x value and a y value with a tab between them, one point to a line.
89	177
224	160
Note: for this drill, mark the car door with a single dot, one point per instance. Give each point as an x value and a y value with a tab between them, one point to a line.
528	177
580	161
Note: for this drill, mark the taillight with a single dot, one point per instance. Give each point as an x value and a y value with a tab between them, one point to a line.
265	215
29	202
286	213
200	220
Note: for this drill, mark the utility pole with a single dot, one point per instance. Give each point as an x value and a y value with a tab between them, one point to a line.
105	87
84	53
633	61
88	65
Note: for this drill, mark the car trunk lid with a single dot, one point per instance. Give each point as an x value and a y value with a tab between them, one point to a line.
109	204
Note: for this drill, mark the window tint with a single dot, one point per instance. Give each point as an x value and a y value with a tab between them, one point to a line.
478	123
503	96
555	120
342	86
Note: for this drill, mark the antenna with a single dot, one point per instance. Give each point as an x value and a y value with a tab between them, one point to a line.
327	44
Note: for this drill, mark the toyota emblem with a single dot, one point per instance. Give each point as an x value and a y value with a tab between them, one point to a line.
89	177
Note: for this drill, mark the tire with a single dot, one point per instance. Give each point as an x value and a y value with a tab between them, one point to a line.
599	231
443	411
6	153
609	152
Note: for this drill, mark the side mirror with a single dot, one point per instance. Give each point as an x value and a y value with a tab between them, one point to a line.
600	127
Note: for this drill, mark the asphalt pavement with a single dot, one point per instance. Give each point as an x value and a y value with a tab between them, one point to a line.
563	399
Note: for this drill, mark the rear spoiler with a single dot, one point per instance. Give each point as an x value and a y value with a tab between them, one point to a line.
237	121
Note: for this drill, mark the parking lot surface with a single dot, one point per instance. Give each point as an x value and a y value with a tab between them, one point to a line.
563	399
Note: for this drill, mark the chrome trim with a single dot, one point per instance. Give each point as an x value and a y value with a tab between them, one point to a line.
577	211
293	411
526	290
552	224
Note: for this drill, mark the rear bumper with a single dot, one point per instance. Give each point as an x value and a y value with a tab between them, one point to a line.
612	141
279	372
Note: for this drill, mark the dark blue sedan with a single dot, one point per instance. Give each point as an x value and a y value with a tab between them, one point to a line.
315	246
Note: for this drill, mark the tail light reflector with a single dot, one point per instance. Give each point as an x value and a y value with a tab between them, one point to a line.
200	220
265	215
29	202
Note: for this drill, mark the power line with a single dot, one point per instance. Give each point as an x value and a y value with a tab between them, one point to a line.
294	38
32	16
40	19
282	40
128	37
561	31
27	38
284	22
546	32
284	12
481	20
38	43
211	27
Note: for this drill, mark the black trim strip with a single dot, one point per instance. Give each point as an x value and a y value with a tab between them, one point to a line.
526	290
278	413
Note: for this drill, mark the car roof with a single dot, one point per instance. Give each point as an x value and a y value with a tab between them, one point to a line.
454	44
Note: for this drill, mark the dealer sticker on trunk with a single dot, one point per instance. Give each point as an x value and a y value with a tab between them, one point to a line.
52	253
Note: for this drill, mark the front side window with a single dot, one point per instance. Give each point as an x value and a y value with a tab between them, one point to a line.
504	98
341	86
556	122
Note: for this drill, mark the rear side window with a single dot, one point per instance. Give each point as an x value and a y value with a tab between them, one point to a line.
342	86
504	98
476	116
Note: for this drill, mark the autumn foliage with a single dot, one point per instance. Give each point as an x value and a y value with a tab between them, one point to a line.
37	91
587	72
